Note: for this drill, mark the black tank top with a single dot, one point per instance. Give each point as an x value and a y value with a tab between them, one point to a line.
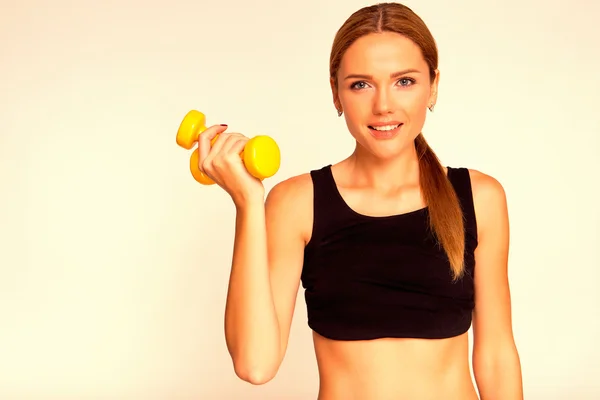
371	277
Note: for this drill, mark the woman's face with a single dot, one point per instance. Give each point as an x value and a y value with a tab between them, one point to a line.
384	90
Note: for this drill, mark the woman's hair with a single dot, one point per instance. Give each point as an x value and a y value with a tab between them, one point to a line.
445	214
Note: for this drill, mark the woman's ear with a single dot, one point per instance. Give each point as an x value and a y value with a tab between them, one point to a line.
433	96
334	93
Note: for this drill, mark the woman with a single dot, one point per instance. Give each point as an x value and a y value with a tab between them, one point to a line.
385	242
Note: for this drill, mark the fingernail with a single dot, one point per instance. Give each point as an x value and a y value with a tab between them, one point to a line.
223	124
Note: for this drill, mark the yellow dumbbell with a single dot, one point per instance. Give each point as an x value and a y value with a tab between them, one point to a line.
261	155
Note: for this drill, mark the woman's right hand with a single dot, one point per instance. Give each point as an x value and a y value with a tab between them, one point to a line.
222	163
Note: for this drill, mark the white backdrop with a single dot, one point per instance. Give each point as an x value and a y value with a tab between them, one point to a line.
114	262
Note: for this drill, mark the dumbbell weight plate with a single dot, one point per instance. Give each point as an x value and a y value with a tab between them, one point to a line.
262	157
198	175
191	126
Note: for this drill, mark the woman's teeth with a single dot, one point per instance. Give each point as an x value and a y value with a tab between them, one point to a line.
385	128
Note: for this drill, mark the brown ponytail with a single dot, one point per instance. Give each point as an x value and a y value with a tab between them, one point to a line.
445	214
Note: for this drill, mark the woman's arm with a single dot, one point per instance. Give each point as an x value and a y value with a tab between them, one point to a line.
496	362
265	276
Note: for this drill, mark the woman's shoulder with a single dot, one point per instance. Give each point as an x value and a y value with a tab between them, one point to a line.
290	201
486	188
489	199
298	187
482	184
292	189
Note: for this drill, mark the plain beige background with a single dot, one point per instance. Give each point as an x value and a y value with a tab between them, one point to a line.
114	262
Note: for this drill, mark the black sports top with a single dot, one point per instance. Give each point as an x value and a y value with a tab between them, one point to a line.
369	277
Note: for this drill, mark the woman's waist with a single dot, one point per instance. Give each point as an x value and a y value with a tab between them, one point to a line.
392	368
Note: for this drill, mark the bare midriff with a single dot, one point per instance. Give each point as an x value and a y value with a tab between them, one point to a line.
394	369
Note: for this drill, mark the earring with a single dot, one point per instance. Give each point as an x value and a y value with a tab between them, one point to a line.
431	106
339	113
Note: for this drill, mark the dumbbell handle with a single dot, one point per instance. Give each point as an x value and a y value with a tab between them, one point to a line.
260	156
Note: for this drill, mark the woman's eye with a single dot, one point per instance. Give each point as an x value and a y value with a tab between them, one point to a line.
358	85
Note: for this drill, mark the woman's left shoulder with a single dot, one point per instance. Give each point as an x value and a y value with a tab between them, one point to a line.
489	196
484	184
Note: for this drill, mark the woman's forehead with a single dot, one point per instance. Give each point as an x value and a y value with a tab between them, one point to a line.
382	52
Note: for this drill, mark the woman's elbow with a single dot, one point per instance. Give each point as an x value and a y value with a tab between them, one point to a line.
254	375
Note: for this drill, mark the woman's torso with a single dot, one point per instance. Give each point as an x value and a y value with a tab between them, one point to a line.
357	366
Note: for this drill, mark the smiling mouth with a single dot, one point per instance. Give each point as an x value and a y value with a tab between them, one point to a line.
384	128
385	131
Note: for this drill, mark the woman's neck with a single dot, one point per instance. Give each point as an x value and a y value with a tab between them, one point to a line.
368	170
